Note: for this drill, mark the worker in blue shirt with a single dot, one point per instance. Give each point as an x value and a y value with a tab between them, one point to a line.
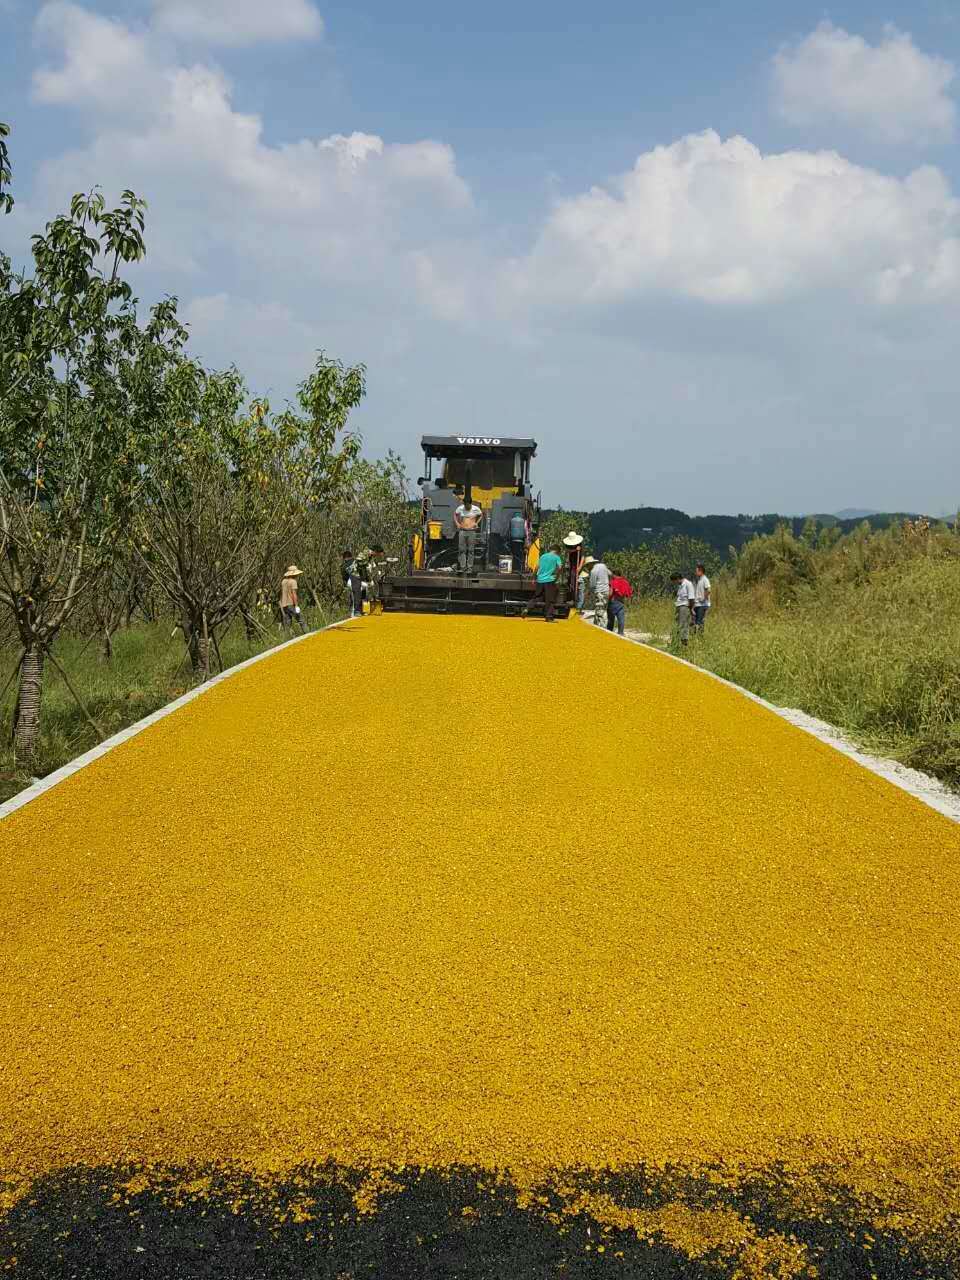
547	585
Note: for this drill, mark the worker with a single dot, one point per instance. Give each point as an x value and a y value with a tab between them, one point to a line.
467	518
376	568
684	605
598	587
582	578
362	563
573	545
518	540
547	584
620	593
701	599
289	606
353	583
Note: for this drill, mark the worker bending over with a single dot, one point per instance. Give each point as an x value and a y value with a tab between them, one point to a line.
598	586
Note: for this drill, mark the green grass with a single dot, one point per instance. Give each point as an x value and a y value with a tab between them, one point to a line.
652	615
881	659
146	672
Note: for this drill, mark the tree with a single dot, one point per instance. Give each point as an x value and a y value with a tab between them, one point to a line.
778	558
228	492
374	509
6	174
557	524
79	380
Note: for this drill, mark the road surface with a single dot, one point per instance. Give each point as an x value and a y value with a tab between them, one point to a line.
444	893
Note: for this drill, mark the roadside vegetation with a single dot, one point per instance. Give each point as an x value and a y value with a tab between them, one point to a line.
149	505
861	630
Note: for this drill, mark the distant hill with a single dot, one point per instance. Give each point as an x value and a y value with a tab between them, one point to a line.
855	513
650	526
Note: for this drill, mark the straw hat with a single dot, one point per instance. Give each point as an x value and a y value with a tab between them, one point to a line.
590	560
293	572
573	539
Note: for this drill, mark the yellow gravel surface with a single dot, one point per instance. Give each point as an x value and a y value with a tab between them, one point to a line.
427	889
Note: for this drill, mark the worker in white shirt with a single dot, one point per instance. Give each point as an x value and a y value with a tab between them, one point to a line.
467	518
684	605
598	588
701	598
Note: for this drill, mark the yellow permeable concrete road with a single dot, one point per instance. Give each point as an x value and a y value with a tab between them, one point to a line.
426	890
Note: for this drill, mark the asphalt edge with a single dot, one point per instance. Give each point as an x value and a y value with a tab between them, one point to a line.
39	788
875	764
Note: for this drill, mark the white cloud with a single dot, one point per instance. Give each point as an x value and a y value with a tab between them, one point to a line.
721	223
103	63
315	207
762	313
890	91
238	22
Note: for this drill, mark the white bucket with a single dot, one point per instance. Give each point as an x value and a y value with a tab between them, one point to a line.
506	564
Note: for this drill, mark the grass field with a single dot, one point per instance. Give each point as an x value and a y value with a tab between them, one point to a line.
146	672
880	659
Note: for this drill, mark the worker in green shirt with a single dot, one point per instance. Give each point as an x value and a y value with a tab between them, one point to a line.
547	584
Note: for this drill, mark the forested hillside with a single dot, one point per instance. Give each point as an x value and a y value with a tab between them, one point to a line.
651	526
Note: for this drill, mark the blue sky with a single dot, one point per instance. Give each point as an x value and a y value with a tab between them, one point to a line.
708	255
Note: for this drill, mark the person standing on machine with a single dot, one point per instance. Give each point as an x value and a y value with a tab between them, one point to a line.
467	518
518	541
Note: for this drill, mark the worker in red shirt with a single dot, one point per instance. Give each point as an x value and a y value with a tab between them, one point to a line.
620	593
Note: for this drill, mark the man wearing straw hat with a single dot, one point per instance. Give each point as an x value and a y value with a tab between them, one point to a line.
599	587
573	546
289	608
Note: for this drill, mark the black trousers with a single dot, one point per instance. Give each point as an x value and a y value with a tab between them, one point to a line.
547	592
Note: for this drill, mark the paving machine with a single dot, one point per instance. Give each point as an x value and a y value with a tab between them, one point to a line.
493	473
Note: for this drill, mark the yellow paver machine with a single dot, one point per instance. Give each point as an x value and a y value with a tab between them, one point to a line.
491	473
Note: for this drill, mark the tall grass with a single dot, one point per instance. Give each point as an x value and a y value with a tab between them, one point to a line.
878	654
146	672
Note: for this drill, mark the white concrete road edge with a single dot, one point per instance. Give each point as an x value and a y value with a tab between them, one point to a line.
74	766
929	790
924	788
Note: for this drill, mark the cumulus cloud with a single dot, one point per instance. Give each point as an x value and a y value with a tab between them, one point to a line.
314	206
721	223
740	289
103	63
238	22
890	91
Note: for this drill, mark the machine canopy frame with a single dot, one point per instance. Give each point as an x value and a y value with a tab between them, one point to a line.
473	446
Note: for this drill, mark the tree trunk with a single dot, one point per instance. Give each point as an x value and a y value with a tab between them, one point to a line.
193	637
248	626
27	732
106	647
201	659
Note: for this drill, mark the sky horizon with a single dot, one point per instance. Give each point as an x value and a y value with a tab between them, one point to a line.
710	259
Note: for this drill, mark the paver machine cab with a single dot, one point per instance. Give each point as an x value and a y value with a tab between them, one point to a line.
494	474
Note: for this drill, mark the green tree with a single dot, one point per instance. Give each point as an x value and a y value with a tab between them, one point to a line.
79	381
227	492
555	526
779	559
374	509
648	569
6	173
